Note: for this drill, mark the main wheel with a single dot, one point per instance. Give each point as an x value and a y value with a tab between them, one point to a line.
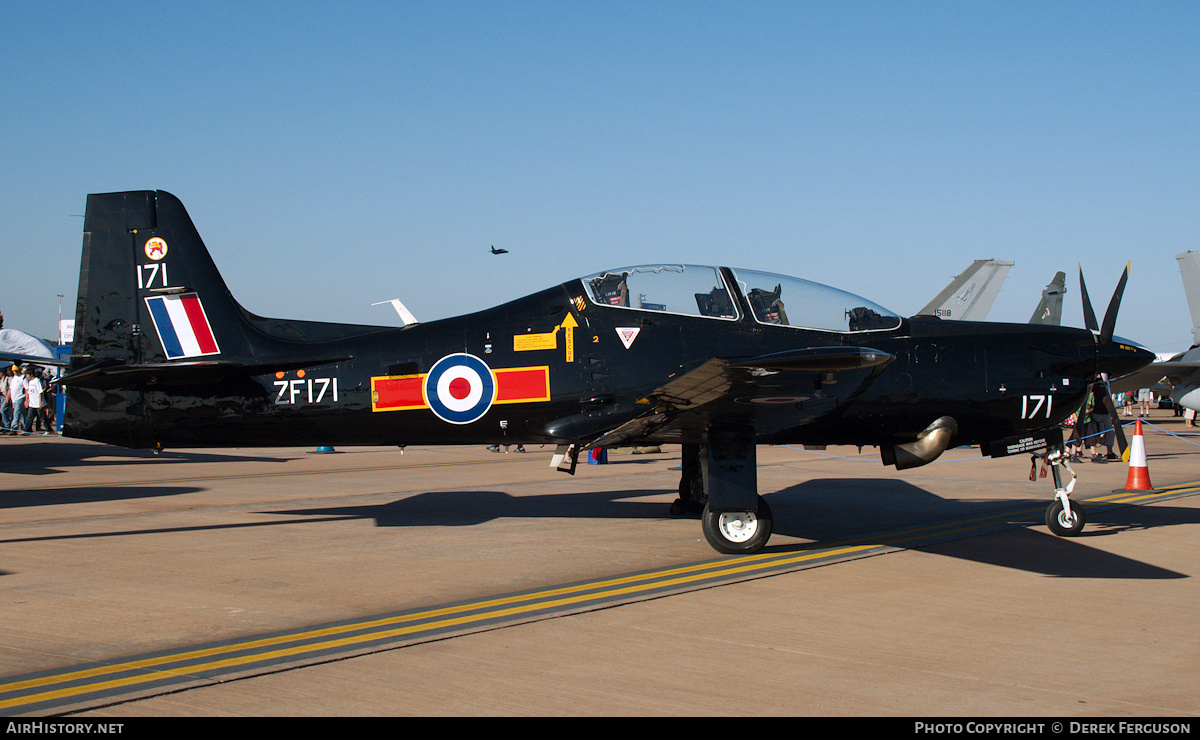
1062	524
737	532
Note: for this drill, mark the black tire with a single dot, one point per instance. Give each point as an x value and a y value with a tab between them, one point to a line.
738	532
1060	525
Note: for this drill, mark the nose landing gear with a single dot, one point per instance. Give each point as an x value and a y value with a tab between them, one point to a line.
1064	517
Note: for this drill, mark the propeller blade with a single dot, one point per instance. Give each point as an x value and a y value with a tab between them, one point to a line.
1089	316
1110	317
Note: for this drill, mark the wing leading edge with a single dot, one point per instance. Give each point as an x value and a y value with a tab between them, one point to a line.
777	392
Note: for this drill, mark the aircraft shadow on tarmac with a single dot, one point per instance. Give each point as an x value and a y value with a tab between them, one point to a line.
824	511
45	458
15	499
467	508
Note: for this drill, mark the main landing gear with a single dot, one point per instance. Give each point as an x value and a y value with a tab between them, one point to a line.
1064	517
718	482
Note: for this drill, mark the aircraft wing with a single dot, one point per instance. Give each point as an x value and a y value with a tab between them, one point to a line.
970	295
776	392
1152	374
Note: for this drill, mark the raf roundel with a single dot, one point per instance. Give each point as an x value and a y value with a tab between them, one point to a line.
460	388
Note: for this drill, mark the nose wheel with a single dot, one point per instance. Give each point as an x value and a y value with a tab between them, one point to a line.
1065	520
1064	517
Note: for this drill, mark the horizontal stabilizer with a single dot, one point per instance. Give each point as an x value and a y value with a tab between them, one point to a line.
108	374
30	359
20	347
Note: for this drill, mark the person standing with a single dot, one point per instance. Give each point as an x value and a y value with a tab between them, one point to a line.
16	396
33	400
5	404
1104	423
1145	395
49	402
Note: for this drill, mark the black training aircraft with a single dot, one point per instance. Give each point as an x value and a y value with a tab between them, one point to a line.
716	359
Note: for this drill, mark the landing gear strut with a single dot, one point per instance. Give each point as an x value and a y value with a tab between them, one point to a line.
1064	517
719	481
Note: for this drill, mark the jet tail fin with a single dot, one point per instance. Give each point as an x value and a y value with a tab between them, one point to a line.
1049	309
1189	270
970	295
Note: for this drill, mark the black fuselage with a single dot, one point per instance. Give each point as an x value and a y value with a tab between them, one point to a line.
996	380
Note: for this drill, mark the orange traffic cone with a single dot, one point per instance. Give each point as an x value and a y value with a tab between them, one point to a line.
1139	474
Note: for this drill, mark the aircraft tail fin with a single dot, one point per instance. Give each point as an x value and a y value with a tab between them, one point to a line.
149	293
152	304
1189	270
154	313
1049	309
970	295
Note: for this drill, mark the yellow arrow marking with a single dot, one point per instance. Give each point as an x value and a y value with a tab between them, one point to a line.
569	324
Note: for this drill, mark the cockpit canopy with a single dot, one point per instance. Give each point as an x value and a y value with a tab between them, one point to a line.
695	290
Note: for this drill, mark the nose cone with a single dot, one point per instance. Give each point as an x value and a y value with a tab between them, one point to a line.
1117	358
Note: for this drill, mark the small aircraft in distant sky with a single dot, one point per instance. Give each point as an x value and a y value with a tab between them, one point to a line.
498	251
716	359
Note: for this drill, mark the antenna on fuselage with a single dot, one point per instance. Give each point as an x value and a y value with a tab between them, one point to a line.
405	315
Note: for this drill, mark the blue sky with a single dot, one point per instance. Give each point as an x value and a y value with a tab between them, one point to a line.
334	157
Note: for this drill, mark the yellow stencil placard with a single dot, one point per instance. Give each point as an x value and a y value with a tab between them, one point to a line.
529	342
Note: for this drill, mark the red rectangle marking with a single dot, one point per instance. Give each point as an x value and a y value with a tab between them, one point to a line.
513	385
523	384
397	393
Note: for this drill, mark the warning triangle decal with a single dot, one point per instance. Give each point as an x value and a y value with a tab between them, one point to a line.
627	335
